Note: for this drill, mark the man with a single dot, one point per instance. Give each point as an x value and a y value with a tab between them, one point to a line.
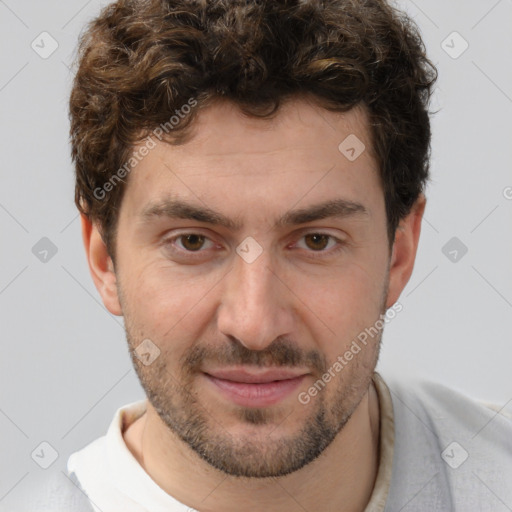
251	181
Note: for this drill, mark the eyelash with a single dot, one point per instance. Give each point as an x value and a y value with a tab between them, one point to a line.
313	254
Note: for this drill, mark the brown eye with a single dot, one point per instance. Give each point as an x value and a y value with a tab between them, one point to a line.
317	241
320	245
190	247
192	242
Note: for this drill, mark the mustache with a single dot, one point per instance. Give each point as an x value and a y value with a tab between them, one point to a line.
281	352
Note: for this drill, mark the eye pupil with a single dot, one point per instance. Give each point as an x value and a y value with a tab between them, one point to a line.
193	242
317	238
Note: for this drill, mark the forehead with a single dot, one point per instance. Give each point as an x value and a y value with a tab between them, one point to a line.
302	150
222	128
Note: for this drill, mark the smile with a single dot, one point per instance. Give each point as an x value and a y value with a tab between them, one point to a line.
255	390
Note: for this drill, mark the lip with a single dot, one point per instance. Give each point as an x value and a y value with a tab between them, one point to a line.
255	377
255	389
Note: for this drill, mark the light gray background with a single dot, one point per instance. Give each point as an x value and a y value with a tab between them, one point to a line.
65	367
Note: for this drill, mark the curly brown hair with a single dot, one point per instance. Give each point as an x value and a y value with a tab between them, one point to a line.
141	61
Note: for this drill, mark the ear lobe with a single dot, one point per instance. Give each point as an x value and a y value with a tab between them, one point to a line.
404	250
100	266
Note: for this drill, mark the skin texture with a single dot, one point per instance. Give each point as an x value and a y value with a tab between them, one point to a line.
208	308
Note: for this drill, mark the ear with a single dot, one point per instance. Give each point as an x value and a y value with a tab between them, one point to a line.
404	250
100	266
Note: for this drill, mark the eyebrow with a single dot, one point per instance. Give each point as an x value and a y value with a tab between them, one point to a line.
174	208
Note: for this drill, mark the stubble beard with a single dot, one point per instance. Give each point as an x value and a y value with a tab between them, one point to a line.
251	456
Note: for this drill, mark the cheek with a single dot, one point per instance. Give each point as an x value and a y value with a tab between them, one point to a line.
166	303
344	297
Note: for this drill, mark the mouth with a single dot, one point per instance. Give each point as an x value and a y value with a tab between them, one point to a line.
261	388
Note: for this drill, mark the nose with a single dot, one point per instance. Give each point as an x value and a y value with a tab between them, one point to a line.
256	305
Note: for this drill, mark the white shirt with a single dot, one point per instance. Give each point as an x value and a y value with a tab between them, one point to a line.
439	451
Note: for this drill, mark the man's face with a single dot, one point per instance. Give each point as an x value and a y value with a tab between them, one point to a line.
263	295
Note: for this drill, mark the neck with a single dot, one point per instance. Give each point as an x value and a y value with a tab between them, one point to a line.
340	479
